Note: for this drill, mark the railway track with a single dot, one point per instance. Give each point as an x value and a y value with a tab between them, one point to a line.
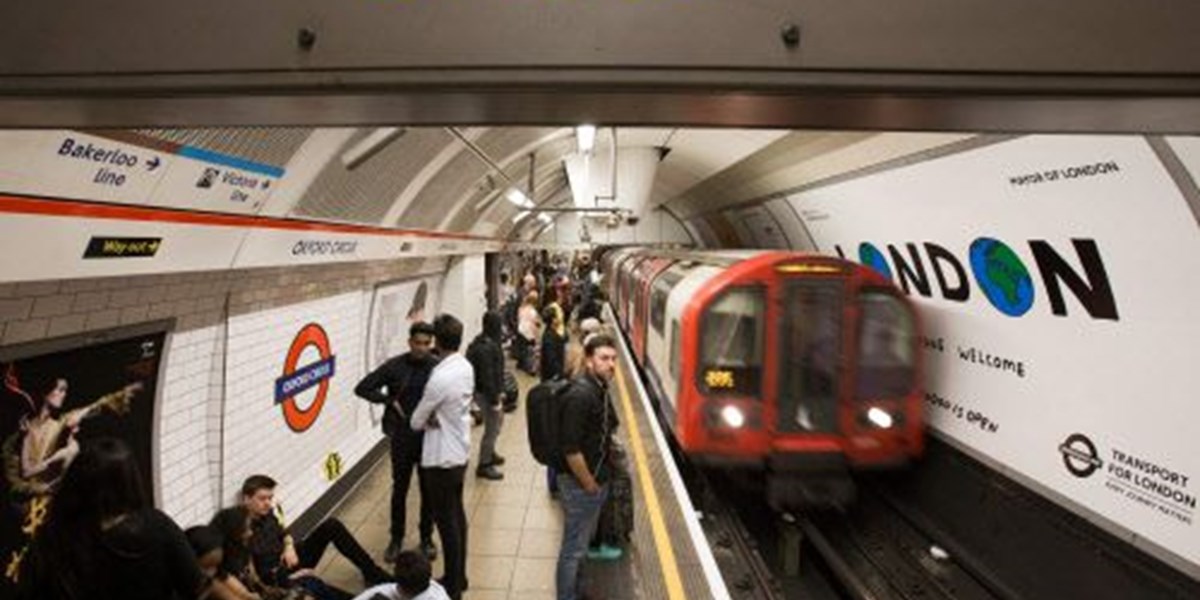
873	550
747	572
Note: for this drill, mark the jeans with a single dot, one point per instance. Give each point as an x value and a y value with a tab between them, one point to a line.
406	455
581	513
446	502
493	419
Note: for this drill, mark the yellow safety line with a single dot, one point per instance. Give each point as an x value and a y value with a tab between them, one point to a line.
666	553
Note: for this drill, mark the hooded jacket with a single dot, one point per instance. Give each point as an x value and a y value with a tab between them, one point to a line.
487	358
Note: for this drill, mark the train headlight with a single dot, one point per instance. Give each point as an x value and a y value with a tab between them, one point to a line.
733	416
879	417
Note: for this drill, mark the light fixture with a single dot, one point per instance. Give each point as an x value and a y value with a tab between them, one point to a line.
518	198
519	216
733	416
370	146
544	218
586	136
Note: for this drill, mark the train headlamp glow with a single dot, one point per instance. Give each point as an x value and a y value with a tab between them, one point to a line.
733	416
881	418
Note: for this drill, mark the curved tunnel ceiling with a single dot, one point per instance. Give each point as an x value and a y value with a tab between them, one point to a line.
428	178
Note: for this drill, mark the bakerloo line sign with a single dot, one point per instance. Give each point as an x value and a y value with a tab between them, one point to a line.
1000	273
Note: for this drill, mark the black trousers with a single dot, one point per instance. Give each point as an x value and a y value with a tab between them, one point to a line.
406	456
332	531
446	499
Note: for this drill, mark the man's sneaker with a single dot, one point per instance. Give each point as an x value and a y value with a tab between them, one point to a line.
489	472
429	550
604	552
393	550
497	460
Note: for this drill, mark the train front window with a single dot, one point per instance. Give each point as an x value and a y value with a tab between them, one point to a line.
731	343
811	355
886	349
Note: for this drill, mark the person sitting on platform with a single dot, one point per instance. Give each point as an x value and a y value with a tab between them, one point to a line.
235	569
279	558
414	581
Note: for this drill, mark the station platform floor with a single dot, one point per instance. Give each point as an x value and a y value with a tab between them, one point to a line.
515	527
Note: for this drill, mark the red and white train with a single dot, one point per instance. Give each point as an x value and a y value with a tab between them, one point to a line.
798	366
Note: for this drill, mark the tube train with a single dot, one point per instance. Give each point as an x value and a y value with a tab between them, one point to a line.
797	367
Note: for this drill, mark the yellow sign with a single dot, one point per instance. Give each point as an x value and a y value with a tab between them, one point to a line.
808	268
717	379
333	466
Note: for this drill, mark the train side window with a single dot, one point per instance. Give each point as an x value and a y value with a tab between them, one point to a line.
658	299
658	308
676	351
731	342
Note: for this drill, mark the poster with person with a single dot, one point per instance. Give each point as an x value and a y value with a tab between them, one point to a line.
395	307
55	396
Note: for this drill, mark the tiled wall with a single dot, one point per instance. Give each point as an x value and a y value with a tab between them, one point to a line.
195	431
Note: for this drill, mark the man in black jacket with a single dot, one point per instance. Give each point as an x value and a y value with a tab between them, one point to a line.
588	422
404	379
486	356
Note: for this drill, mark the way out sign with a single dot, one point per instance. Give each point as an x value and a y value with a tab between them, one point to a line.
297	378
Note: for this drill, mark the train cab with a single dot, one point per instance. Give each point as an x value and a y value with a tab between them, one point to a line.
776	362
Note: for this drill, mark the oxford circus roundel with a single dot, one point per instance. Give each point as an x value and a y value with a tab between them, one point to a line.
297	379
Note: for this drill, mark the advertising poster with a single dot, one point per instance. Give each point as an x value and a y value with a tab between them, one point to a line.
53	401
396	306
761	229
1055	275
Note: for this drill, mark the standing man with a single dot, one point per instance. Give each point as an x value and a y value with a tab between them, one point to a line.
404	377
444	414
588	421
487	359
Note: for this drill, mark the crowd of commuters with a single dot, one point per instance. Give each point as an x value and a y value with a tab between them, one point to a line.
559	335
103	538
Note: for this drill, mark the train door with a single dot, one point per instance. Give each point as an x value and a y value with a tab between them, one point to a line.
810	356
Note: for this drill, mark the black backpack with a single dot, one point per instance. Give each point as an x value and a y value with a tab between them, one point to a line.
543	415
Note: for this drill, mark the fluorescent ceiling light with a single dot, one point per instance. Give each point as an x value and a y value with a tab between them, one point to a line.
586	136
370	146
520	215
518	198
545	218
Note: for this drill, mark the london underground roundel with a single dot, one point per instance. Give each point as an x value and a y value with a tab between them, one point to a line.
298	378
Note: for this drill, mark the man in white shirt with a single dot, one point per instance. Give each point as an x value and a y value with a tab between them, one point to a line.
412	582
444	414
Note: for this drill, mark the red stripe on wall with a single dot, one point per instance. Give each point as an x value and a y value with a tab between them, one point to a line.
93	210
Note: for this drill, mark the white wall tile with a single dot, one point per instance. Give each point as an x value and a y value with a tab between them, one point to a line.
217	421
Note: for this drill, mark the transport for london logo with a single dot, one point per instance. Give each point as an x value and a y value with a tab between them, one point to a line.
297	379
1080	455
